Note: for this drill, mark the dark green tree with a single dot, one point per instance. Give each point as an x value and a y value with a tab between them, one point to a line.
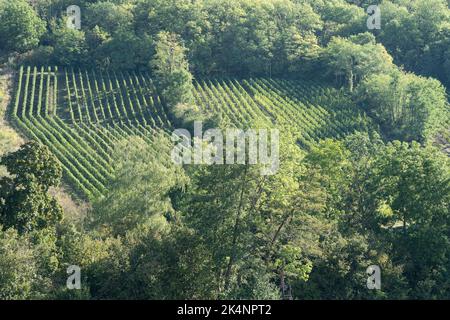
20	26
24	200
411	186
70	48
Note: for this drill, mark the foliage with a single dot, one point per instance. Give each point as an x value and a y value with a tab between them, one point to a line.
69	45
18	270
25	203
408	107
143	177
417	35
20	26
354	61
171	70
345	196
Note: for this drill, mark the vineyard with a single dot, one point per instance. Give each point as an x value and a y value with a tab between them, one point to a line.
81	114
308	111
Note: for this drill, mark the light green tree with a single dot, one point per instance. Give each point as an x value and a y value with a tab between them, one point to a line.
171	70
353	61
143	178
407	106
18	269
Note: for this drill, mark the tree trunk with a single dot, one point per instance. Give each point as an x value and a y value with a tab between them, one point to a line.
276	235
235	233
350	80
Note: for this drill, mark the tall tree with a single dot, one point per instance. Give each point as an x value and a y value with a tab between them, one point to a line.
411	187
171	70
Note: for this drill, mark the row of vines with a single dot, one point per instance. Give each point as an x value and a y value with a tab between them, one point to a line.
306	110
82	114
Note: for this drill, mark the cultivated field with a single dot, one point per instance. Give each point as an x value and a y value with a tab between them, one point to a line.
81	114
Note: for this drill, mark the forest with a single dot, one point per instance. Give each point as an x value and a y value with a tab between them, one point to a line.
94	207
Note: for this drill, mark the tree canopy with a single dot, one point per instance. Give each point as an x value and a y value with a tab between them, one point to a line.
20	27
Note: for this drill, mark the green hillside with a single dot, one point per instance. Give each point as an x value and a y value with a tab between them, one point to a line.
224	150
81	114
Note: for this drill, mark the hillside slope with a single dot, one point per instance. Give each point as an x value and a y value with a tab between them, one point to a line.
81	114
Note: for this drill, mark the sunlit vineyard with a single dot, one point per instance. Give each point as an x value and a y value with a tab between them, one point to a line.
81	114
309	111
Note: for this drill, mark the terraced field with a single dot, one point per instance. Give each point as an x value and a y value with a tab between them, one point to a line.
81	114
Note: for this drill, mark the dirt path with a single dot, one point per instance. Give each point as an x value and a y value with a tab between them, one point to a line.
5	89
10	140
